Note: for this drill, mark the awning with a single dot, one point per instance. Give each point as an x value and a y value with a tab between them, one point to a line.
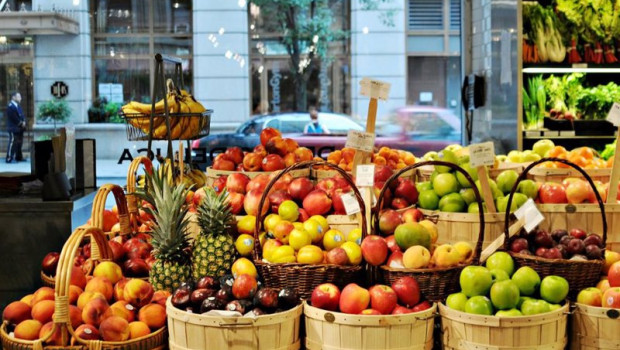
37	23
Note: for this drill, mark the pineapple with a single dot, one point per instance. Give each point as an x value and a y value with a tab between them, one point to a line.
214	249
169	237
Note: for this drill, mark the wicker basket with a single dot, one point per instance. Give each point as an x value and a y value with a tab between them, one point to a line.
188	331
595	328
138	134
579	274
213	174
424	173
334	330
100	250
132	197
304	277
435	283
463	331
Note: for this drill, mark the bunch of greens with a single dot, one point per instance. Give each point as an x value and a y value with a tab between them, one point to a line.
609	151
534	101
541	26
564	92
595	103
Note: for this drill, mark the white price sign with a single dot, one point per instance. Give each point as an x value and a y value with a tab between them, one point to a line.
614	114
481	154
351	205
365	175
359	140
531	215
374	88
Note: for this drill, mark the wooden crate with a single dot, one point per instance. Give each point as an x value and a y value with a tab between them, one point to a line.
463	331
541	174
212	174
594	328
425	172
279	331
328	330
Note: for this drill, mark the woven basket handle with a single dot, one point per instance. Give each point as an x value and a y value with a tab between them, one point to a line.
121	204
563	161
132	198
257	252
380	200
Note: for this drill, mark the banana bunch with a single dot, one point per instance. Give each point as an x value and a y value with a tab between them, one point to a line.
194	177
180	105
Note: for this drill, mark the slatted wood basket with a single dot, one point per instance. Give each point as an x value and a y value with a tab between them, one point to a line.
541	174
326	330
595	328
156	340
579	274
304	277
435	283
463	331
424	173
279	331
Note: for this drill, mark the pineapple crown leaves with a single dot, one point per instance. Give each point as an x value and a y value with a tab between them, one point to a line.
215	216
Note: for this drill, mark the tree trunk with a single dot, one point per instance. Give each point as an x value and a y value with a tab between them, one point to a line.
301	93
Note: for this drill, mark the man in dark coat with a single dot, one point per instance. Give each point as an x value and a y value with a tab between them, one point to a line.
16	123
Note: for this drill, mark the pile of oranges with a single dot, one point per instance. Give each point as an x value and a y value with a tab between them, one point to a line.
395	159
584	157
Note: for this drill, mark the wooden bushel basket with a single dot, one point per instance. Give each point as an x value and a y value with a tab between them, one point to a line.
463	331
595	328
279	331
435	283
303	278
541	174
579	274
155	340
327	330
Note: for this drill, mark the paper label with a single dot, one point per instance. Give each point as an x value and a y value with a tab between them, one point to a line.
614	114
481	154
375	88
359	140
365	175
530	213
351	206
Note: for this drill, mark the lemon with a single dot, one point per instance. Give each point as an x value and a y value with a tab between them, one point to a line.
298	225
354	252
333	239
299	238
310	254
355	235
288	210
244	244
270	222
283	254
246	224
314	228
322	220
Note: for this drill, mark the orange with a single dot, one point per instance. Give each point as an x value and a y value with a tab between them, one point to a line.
586	152
556	151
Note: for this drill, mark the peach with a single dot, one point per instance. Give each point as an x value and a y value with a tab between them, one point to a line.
416	257
93	311
16	312
118	288
74	294
109	270
121	309
43	293
28	330
138	329
87	332
114	329
138	292
85	297
154	315
28	299
75	315
43	311
160	297
446	256
78	277
101	285
54	339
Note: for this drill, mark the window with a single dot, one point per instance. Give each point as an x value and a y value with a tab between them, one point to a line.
126	36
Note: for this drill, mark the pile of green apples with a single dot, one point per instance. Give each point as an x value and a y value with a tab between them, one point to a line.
497	289
538	151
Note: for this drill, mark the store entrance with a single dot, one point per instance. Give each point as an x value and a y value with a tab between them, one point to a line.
16	76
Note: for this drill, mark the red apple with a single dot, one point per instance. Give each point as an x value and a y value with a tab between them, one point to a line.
135	267
579	191
234	154
370	312
421	306
578	233
337	256
273	162
317	203
613	274
325	296
253	162
374	250
382	298
236	201
251	201
276	198
337	202
49	263
267	134
407	290
257	183
118	252
392	245
399	203
342	183
303	215
237	182
395	261
328	185
260	150
552	192
406	189
299	188
399	310
590	296
553	253
223	164
389	219
382	173
137	248
244	286
354	299
412	215
387	195
611	298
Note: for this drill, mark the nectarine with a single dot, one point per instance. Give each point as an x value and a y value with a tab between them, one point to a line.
114	329
138	329
154	315
43	311
94	311
28	330
101	285
16	312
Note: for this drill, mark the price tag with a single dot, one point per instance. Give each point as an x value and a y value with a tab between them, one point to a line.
359	140
482	154
531	215
614	114
365	175
375	88
351	206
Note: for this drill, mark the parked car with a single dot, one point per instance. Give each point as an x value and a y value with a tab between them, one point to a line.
422	123
292	124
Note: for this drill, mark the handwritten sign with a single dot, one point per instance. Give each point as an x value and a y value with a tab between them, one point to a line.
375	88
614	114
351	205
365	175
359	140
530	214
482	154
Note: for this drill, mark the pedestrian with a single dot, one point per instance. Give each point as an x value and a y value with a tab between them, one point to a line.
16	124
314	127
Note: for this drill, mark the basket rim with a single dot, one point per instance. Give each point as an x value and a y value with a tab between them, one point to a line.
555	261
443	308
430	312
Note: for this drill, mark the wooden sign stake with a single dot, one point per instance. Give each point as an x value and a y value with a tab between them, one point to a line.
486	189
612	192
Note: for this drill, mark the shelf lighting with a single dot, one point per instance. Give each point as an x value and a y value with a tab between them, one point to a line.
539	70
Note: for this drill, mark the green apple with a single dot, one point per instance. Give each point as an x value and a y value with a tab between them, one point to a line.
500	158
506	179
428	199
432	155
508	313
447	156
456	301
473	207
553	307
502	261
493	186
423	186
468	195
479	305
534	307
463	159
504	294
530	156
554	289
433	176
519	199
499	275
445	183
453	147
522	299
501	204
527	280
452	203
528	188
471	171
541	147
514	157
475	280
